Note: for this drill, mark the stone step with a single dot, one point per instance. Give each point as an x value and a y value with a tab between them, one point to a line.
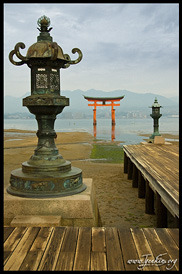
36	220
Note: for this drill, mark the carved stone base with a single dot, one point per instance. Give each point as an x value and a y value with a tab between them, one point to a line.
74	210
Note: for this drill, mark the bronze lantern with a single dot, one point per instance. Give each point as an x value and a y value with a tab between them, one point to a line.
155	115
46	173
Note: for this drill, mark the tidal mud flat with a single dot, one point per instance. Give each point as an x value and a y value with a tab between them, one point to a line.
118	202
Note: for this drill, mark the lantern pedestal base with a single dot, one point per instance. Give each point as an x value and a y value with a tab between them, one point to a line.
153	135
74	210
45	184
157	140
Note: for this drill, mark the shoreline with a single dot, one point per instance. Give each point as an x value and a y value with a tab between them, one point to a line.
165	135
174	138
19	130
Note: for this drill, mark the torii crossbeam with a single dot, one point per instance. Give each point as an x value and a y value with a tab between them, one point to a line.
104	101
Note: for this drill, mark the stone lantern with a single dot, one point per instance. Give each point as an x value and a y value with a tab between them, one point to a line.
155	115
46	173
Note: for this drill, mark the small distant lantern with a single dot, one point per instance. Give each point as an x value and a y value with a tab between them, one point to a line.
155	115
46	173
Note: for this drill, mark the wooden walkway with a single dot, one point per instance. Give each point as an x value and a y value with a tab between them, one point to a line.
96	248
154	169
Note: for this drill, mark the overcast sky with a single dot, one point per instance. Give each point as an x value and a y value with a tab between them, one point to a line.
125	46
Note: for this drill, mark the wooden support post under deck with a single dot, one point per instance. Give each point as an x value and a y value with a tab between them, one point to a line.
125	163
176	222
130	169
163	179
135	176
141	185
161	212
149	199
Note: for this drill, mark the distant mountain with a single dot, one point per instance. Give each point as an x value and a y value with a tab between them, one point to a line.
132	101
175	99
13	104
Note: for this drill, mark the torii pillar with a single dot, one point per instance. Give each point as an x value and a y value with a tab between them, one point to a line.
106	101
113	114
94	114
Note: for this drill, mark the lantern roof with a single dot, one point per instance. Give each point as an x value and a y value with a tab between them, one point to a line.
44	48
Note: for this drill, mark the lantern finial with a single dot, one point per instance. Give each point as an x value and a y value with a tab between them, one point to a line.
44	22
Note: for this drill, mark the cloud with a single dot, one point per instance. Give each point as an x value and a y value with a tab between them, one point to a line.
117	41
162	17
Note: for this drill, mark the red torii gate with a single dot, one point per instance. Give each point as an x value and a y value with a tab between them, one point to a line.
97	100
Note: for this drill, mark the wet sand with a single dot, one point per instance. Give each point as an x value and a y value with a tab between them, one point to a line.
118	202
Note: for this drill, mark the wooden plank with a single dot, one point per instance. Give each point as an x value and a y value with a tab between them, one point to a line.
143	249
128	248
157	151
34	256
98	239
82	256
172	151
70	239
94	248
163	164
65	261
12	241
158	249
7	231
158	168
98	261
98	249
174	232
22	249
66	256
113	251
169	245
51	253
168	173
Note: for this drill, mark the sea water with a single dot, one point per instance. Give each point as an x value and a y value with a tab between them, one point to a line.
126	130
